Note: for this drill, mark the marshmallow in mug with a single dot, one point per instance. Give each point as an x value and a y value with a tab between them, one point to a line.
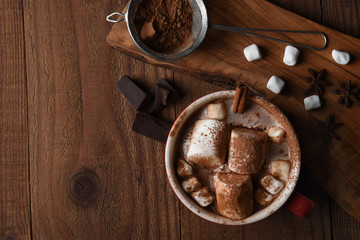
275	84
291	55
276	134
216	110
184	169
312	102
212	136
252	53
271	184
263	198
340	57
190	185
280	168
203	197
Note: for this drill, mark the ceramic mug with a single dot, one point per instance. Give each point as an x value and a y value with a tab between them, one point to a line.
299	204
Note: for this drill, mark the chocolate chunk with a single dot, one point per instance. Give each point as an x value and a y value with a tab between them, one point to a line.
162	94
137	97
173	93
161	97
152	127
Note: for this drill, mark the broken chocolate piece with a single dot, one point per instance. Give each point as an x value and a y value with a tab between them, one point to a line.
162	94
161	97
137	97
152	127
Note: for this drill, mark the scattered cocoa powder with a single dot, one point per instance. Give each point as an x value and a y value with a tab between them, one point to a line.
171	23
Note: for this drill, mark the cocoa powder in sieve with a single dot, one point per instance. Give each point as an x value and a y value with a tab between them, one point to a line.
164	25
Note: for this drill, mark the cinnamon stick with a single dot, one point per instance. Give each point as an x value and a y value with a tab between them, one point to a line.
242	103
238	93
240	98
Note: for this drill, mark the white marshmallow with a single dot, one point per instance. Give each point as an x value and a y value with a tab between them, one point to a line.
263	198
183	169
340	57
203	197
276	134
252	53
216	110
291	55
275	84
312	102
234	195
271	184
190	185
208	144
280	169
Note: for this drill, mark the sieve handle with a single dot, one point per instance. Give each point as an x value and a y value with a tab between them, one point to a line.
109	18
245	31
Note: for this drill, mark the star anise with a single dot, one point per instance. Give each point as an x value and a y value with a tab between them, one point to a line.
316	81
327	129
347	93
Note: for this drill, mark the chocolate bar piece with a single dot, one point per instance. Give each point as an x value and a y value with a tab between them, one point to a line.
161	97
152	127
162	94
137	97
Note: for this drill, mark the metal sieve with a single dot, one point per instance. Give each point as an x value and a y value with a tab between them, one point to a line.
199	29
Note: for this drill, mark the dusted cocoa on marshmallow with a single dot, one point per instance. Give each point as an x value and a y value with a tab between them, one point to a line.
271	184
247	150
276	134
280	169
208	143
183	169
234	195
263	198
216	110
190	185
203	197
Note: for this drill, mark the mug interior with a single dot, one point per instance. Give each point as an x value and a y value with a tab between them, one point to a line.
171	149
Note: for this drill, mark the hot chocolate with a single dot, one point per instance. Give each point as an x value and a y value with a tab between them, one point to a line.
237	163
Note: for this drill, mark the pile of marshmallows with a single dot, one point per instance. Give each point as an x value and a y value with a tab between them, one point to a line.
276	84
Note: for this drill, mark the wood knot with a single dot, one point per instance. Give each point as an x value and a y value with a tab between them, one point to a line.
84	187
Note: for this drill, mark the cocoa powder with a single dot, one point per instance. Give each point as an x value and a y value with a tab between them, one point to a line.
164	25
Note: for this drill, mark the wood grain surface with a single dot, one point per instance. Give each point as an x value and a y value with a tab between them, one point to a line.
71	168
15	221
336	166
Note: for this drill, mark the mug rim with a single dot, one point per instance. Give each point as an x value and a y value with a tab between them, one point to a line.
202	212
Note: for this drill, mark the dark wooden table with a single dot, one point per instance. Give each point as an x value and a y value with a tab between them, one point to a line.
62	119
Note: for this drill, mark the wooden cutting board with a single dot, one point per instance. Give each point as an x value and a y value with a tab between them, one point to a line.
220	57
